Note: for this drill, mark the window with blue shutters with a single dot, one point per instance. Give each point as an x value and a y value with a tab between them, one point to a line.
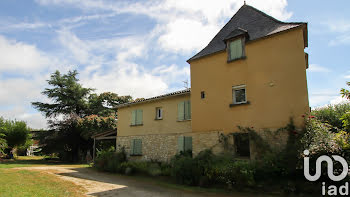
236	49
136	147
184	110
137	117
184	144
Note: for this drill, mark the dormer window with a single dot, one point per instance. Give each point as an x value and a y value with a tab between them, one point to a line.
235	49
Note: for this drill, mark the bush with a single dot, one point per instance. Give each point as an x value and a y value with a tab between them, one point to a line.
185	170
207	169
110	161
234	173
319	139
332	114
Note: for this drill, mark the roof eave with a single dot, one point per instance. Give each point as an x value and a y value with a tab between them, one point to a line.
151	100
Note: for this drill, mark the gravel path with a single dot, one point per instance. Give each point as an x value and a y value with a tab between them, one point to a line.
104	184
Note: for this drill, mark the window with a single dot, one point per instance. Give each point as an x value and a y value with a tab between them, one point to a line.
242	144
184	111
236	49
159	113
239	94
202	95
136	117
184	144
136	147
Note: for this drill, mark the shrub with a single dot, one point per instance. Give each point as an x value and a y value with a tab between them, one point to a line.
331	114
110	161
319	139
165	169
185	170
234	173
346	121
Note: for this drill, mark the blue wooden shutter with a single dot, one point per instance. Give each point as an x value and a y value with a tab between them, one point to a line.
236	49
133	117
188	143
139	116
181	111
138	147
180	144
187	110
132	144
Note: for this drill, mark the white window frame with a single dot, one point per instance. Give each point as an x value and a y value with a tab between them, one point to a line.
159	117
239	87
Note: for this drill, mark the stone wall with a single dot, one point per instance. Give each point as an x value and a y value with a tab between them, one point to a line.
163	147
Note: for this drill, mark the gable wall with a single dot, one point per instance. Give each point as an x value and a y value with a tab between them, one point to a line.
274	73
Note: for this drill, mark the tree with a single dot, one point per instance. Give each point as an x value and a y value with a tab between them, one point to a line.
344	92
70	101
13	134
84	113
346	117
105	103
3	144
68	95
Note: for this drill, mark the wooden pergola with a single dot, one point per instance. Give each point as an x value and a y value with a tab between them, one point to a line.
108	135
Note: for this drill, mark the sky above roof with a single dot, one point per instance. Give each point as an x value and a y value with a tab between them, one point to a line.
140	48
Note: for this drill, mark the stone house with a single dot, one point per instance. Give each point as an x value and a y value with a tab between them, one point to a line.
251	74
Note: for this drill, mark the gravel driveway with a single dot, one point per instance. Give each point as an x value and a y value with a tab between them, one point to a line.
104	184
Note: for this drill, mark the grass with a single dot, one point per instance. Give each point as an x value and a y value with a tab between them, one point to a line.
17	182
32	183
26	161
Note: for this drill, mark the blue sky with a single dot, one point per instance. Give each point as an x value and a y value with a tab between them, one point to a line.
141	47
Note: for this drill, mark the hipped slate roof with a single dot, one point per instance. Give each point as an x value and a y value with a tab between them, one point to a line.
247	19
177	93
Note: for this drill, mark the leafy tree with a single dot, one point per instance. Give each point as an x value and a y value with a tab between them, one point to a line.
344	92
3	144
94	124
105	103
68	95
83	112
13	134
346	117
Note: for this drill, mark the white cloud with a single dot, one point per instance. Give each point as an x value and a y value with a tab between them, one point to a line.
339	40
338	25
347	77
28	64
183	26
338	100
76	48
127	79
341	28
20	57
323	97
33	120
183	35
119	74
317	68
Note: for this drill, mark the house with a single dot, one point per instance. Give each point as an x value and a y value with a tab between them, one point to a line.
251	74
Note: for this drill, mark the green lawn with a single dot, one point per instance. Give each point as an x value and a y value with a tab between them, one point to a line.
17	182
26	161
32	183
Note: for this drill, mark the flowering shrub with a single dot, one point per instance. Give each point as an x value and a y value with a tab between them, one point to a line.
332	114
319	139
